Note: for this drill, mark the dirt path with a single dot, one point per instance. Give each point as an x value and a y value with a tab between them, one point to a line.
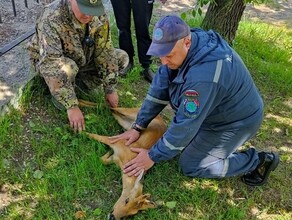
279	13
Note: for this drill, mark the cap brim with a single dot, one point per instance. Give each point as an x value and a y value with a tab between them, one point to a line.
89	10
160	50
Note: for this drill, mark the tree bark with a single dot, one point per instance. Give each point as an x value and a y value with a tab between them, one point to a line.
224	17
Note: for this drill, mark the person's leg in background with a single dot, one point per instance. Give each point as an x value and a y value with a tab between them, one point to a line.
142	13
122	11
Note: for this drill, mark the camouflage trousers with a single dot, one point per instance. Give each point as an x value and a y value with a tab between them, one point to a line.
102	76
94	77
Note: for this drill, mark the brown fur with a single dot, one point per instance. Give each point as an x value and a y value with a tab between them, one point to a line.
131	200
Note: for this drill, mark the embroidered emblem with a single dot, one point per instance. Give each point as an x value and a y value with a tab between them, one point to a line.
191	103
158	34
93	2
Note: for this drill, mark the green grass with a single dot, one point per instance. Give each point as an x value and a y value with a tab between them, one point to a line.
49	172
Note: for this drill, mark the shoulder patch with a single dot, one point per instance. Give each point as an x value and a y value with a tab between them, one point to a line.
191	103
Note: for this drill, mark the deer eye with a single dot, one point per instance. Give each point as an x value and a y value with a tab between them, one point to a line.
127	200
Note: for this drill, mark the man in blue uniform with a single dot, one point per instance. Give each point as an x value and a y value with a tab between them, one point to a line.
216	103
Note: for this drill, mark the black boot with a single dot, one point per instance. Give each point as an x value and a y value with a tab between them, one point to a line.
57	104
128	68
258	177
81	89
147	74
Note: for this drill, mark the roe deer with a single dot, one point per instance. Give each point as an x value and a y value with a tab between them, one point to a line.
131	200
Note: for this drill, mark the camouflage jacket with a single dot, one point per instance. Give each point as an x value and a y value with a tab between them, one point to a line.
57	51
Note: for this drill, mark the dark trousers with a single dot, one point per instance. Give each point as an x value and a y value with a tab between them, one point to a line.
142	12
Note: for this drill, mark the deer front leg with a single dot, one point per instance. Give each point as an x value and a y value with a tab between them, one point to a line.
107	158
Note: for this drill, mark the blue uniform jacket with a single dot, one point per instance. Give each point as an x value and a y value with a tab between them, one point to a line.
212	90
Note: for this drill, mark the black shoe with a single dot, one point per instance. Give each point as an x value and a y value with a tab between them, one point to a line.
147	74
81	88
258	177
124	72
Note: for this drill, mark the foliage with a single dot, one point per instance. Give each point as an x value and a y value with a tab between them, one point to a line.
198	8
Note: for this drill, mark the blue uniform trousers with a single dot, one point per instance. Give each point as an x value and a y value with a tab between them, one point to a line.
212	154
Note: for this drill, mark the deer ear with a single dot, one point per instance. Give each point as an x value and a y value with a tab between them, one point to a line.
140	176
137	181
143	202
146	204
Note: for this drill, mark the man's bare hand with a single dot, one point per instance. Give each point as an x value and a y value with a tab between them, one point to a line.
76	119
112	99
140	163
130	135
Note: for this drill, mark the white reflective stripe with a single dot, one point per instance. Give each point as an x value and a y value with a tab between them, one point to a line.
218	71
225	167
152	99
170	146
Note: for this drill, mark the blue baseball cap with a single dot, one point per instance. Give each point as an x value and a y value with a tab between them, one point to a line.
167	31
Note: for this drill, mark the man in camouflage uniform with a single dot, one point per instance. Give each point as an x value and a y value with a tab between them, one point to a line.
72	41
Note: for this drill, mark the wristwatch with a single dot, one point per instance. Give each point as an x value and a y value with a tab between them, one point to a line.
135	127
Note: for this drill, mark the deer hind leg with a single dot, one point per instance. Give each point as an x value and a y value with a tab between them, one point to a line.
85	103
125	116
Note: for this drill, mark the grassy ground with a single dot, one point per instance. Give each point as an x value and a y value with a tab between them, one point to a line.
48	172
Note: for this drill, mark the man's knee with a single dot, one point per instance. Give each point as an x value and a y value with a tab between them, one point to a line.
203	169
192	170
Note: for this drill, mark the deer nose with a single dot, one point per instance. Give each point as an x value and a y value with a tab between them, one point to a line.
111	216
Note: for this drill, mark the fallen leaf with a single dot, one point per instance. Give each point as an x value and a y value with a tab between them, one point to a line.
80	214
31	124
171	204
97	211
38	174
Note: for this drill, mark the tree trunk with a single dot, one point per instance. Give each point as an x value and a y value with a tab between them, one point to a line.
224	17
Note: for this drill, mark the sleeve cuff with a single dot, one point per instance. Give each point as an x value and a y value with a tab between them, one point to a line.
109	89
70	104
154	157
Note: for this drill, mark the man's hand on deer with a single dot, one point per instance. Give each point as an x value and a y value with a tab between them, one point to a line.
130	135
140	163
